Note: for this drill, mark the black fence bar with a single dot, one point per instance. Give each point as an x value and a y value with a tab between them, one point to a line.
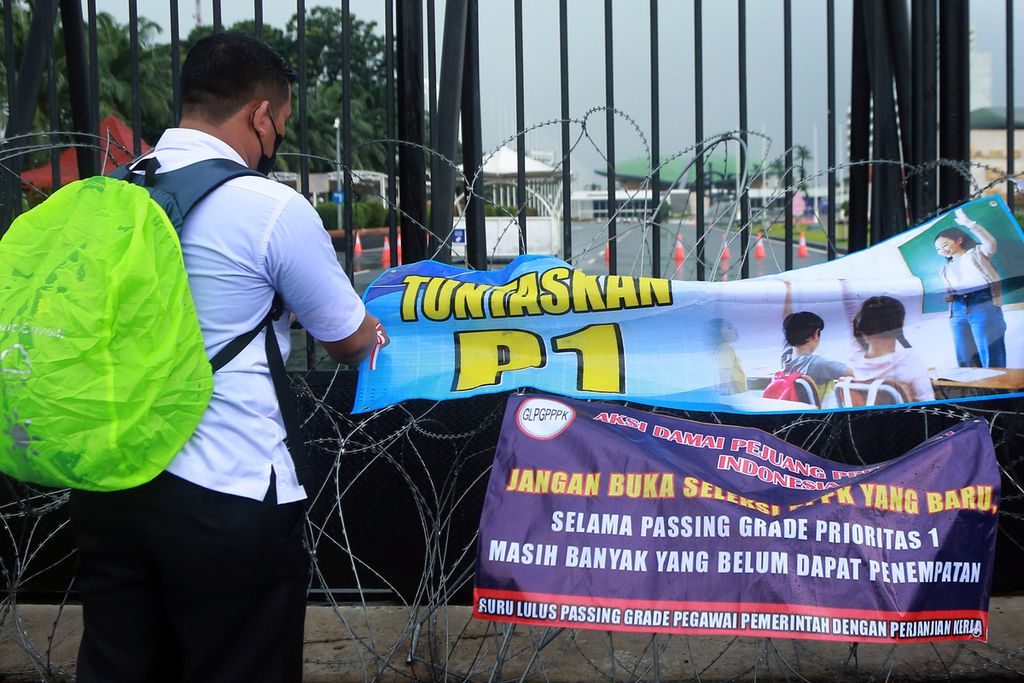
133	38
175	63
432	124
9	57
830	133
472	144
218	24
412	162
389	114
860	103
655	147
954	89
1011	117
520	127
52	105
300	27
78	80
744	198
30	75
94	75
10	207
346	136
899	46
886	39
449	99
432	71
787	118
563	61
924	199
698	122
609	96
880	118
257	17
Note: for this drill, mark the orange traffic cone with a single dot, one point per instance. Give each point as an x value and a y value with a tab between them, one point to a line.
801	249
399	239
726	254
358	248
607	253
759	247
680	254
385	256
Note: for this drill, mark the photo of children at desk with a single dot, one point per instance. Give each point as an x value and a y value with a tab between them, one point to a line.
878	328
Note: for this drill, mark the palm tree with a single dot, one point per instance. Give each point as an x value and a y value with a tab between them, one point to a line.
115	67
803	155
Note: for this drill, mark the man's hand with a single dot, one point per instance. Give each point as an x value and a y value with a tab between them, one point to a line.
382	336
354	348
382	341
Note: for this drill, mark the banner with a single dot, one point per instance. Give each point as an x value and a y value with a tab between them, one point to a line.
602	517
933	314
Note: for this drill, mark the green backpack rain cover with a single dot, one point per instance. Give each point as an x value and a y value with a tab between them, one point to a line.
103	374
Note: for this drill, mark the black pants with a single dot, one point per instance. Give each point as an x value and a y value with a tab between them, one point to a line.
180	583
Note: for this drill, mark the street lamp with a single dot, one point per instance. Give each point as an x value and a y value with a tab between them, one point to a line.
337	166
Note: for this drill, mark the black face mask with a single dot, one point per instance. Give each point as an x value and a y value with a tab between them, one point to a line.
266	163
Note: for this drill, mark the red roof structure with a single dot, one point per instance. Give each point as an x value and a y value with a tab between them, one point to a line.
117	137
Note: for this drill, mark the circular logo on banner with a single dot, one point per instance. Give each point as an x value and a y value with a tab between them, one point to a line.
543	418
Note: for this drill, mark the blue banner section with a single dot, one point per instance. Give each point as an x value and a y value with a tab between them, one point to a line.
598	516
931	315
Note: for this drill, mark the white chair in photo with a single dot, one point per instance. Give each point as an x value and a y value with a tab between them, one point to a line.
851	392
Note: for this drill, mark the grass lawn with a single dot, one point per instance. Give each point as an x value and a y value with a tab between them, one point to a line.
814	233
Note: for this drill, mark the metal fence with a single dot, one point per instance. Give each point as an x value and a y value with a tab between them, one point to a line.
395	519
904	70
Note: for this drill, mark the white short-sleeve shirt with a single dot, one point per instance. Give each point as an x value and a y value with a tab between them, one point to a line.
248	239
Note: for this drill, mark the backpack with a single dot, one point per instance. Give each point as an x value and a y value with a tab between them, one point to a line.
103	372
783	386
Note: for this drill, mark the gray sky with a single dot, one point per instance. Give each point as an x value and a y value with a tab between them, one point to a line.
631	49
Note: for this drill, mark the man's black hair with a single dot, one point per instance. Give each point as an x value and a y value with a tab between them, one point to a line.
224	71
799	327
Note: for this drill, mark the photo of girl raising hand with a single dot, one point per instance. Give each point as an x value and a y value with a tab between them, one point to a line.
973	292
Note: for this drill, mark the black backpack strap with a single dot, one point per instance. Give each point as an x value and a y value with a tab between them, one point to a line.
286	402
177	192
282	386
236	345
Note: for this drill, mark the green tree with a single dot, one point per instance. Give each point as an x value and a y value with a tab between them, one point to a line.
323	79
803	156
115	58
115	86
325	82
324	87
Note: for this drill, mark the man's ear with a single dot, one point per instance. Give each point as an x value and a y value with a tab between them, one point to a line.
258	112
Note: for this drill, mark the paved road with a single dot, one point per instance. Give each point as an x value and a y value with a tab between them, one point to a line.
634	253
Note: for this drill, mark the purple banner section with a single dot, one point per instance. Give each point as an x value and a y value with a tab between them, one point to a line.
603	517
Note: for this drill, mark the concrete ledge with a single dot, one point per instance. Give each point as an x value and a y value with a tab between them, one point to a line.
374	643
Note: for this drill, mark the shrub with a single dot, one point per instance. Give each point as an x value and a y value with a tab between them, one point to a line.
370	215
328	214
364	215
506	211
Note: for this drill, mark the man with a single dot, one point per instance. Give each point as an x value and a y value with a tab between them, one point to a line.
201	574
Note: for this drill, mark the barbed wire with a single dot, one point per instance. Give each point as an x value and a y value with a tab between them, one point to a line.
393	523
